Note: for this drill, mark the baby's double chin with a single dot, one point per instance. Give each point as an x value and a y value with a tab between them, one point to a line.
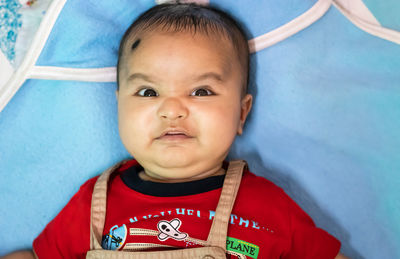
169	175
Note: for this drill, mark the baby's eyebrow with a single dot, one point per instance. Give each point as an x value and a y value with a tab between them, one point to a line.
140	76
209	75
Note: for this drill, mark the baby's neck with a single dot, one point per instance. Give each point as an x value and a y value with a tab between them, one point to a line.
146	177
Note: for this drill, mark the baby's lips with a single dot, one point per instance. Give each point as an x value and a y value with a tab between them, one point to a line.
174	131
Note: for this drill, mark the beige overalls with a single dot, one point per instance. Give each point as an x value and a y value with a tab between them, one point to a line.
215	243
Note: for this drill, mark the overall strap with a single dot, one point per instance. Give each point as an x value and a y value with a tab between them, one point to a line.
219	227
98	207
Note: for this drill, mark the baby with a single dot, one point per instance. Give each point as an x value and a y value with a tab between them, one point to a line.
182	98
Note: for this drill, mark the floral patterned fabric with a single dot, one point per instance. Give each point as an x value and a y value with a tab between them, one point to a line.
10	23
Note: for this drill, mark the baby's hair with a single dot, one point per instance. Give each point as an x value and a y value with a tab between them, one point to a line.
179	17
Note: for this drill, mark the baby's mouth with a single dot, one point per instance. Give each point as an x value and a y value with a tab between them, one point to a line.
174	135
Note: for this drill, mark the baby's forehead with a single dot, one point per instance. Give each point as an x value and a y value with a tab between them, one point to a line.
224	47
136	37
148	49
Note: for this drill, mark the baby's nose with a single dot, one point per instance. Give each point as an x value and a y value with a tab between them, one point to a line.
172	109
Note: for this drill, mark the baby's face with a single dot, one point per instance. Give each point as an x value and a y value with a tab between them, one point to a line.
180	105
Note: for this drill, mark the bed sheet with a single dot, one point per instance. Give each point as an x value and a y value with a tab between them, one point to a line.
325	124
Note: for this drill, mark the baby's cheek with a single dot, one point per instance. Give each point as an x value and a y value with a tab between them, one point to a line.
221	133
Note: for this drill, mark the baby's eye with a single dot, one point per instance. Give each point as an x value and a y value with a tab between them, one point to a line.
147	92
202	92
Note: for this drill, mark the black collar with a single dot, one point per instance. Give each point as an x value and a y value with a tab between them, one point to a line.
131	178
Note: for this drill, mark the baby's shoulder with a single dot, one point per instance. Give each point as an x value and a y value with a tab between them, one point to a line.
258	183
83	196
87	188
260	188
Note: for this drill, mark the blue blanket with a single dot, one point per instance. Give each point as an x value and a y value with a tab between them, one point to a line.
325	124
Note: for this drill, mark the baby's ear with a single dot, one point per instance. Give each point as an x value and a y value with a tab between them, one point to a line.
245	108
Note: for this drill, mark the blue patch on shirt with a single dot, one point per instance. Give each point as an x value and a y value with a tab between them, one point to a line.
115	238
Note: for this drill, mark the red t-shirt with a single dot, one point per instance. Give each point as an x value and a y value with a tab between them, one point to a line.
265	222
